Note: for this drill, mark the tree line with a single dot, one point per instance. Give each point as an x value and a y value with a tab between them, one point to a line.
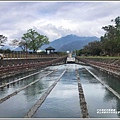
109	43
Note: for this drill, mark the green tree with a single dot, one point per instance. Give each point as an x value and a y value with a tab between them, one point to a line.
34	40
80	52
117	22
111	39
93	48
108	39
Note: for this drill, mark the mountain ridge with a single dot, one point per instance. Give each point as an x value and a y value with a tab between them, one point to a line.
70	42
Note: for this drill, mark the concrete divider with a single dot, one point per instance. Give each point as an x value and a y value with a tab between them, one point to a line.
83	104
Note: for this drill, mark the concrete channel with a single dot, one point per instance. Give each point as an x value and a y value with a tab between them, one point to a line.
13	82
17	91
41	87
42	99
109	88
65	91
63	100
83	103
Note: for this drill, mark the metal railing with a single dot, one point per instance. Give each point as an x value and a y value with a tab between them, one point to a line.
27	56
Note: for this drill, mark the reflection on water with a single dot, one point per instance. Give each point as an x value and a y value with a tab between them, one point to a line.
63	101
111	80
97	96
18	105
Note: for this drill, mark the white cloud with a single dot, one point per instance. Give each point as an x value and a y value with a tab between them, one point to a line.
56	19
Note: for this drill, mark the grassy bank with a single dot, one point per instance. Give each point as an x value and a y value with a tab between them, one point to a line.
101	57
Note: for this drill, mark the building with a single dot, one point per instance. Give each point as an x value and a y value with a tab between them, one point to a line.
50	50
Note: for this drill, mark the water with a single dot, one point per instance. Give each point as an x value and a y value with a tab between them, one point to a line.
97	96
18	105
63	101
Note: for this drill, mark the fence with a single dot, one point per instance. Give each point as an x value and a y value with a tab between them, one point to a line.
27	55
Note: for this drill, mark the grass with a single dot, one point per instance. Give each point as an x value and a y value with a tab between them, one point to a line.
102	57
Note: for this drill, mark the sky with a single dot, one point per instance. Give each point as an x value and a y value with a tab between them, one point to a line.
56	19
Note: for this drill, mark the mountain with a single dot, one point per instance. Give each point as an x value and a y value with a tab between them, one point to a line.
70	43
20	49
75	45
61	41
5	47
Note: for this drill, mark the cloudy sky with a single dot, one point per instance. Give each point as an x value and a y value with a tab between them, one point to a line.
56	19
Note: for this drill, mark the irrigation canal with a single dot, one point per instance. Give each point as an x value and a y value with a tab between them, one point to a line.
62	91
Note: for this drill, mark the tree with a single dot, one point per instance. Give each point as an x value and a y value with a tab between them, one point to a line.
80	52
2	39
34	40
111	39
108	39
93	48
117	22
21	43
